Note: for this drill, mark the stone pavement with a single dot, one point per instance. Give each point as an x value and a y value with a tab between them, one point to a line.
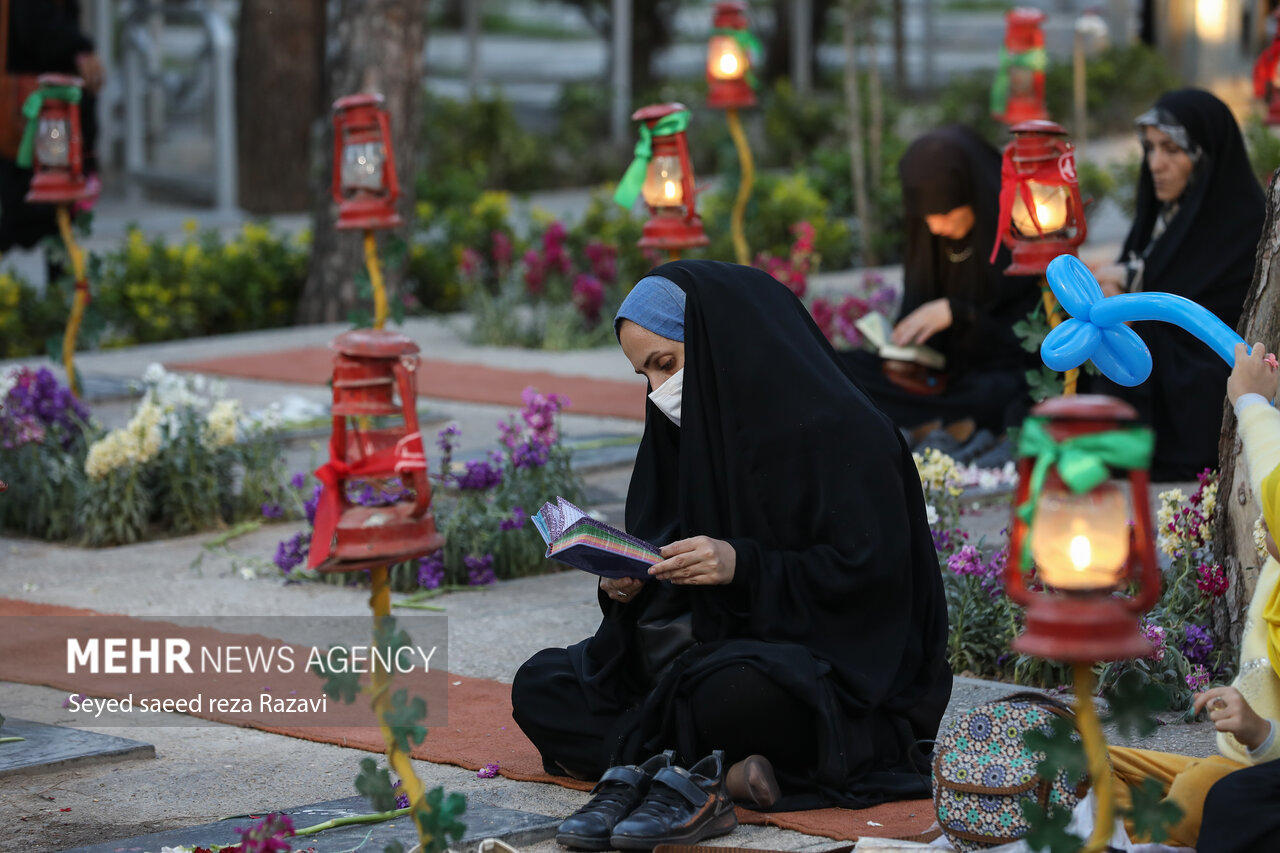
204	772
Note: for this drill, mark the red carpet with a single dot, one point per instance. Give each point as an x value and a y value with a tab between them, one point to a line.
34	650
444	380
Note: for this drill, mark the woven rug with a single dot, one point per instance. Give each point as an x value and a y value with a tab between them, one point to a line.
479	730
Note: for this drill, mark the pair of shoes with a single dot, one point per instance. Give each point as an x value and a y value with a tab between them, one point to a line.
682	807
615	796
751	782
980	443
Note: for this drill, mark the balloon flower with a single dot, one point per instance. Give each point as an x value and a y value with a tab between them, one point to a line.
1097	332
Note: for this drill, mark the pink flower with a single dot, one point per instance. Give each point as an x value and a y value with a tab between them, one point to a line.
1155	635
588	296
824	315
1212	581
535	273
489	771
470	262
604	261
502	249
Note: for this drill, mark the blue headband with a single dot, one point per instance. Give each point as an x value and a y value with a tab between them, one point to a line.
657	304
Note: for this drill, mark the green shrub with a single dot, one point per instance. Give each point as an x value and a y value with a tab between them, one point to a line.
1264	148
777	203
152	291
28	319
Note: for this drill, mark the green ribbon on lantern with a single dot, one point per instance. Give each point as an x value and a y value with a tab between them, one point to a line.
1082	462
633	179
1033	60
31	111
751	46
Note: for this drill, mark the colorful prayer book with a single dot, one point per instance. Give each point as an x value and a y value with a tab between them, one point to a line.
586	543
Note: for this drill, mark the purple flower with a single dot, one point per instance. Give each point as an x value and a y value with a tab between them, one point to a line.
298	480
509	433
540	414
447	438
272	510
78	697
402	798
1155	635
36	408
1198	645
310	504
489	771
479	570
292	552
516	521
480	475
431	570
966	561
531	454
1198	678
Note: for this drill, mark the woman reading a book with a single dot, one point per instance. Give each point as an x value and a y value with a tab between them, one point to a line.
955	301
1200	214
797	613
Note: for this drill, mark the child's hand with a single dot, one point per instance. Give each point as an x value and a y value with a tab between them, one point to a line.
1253	374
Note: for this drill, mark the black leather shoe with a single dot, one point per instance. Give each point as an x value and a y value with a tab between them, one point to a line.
616	795
682	807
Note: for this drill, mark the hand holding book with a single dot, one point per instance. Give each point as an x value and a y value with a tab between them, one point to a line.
578	540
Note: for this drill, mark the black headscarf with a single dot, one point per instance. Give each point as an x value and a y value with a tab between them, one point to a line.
948	168
1206	254
1207	251
780	453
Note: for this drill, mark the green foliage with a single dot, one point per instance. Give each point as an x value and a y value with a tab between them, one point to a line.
374	783
1047	831
46	487
477	144
777	203
28	319
404	718
342	683
1121	82
1263	145
1133	701
440	819
1152	814
152	291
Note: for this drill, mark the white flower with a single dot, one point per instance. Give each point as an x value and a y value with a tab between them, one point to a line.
931	514
154	374
221	424
8	379
1260	538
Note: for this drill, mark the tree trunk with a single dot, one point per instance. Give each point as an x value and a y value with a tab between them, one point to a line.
1238	507
899	48
853	106
875	133
777	45
375	45
280	86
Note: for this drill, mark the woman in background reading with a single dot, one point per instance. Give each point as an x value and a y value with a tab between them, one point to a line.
954	299
798	612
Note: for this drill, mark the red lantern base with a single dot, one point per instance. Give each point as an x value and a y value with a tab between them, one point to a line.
669	232
54	187
369	536
366	213
1081	628
730	95
1018	110
1032	258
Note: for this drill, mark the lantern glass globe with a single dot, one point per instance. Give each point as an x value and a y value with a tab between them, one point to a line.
53	140
725	59
1051	203
664	182
1081	541
362	166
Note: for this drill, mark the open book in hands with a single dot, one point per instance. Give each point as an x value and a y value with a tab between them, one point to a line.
878	332
578	540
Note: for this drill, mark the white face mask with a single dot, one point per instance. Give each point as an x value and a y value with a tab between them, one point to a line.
667	396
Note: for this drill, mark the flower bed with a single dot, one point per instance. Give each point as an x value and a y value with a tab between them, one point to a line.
984	621
186	461
482	507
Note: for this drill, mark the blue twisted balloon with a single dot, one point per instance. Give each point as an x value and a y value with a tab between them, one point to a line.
1097	332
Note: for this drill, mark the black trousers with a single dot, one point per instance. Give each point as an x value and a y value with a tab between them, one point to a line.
737	709
1242	812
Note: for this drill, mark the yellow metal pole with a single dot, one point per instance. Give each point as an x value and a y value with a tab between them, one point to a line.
1071	377
740	248
380	603
79	301
1095	750
375	279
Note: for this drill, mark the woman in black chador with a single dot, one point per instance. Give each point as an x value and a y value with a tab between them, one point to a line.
798	614
1199	218
954	299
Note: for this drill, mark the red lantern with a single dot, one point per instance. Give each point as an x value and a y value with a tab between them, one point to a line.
364	165
58	156
731	53
1041	212
1266	75
1087	546
370	369
668	187
1018	93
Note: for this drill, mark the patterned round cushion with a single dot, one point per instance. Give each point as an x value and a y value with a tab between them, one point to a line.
983	771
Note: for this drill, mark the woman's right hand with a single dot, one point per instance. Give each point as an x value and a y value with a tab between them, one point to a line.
1230	712
1112	279
621	590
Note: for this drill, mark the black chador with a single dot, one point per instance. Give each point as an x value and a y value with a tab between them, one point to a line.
826	652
